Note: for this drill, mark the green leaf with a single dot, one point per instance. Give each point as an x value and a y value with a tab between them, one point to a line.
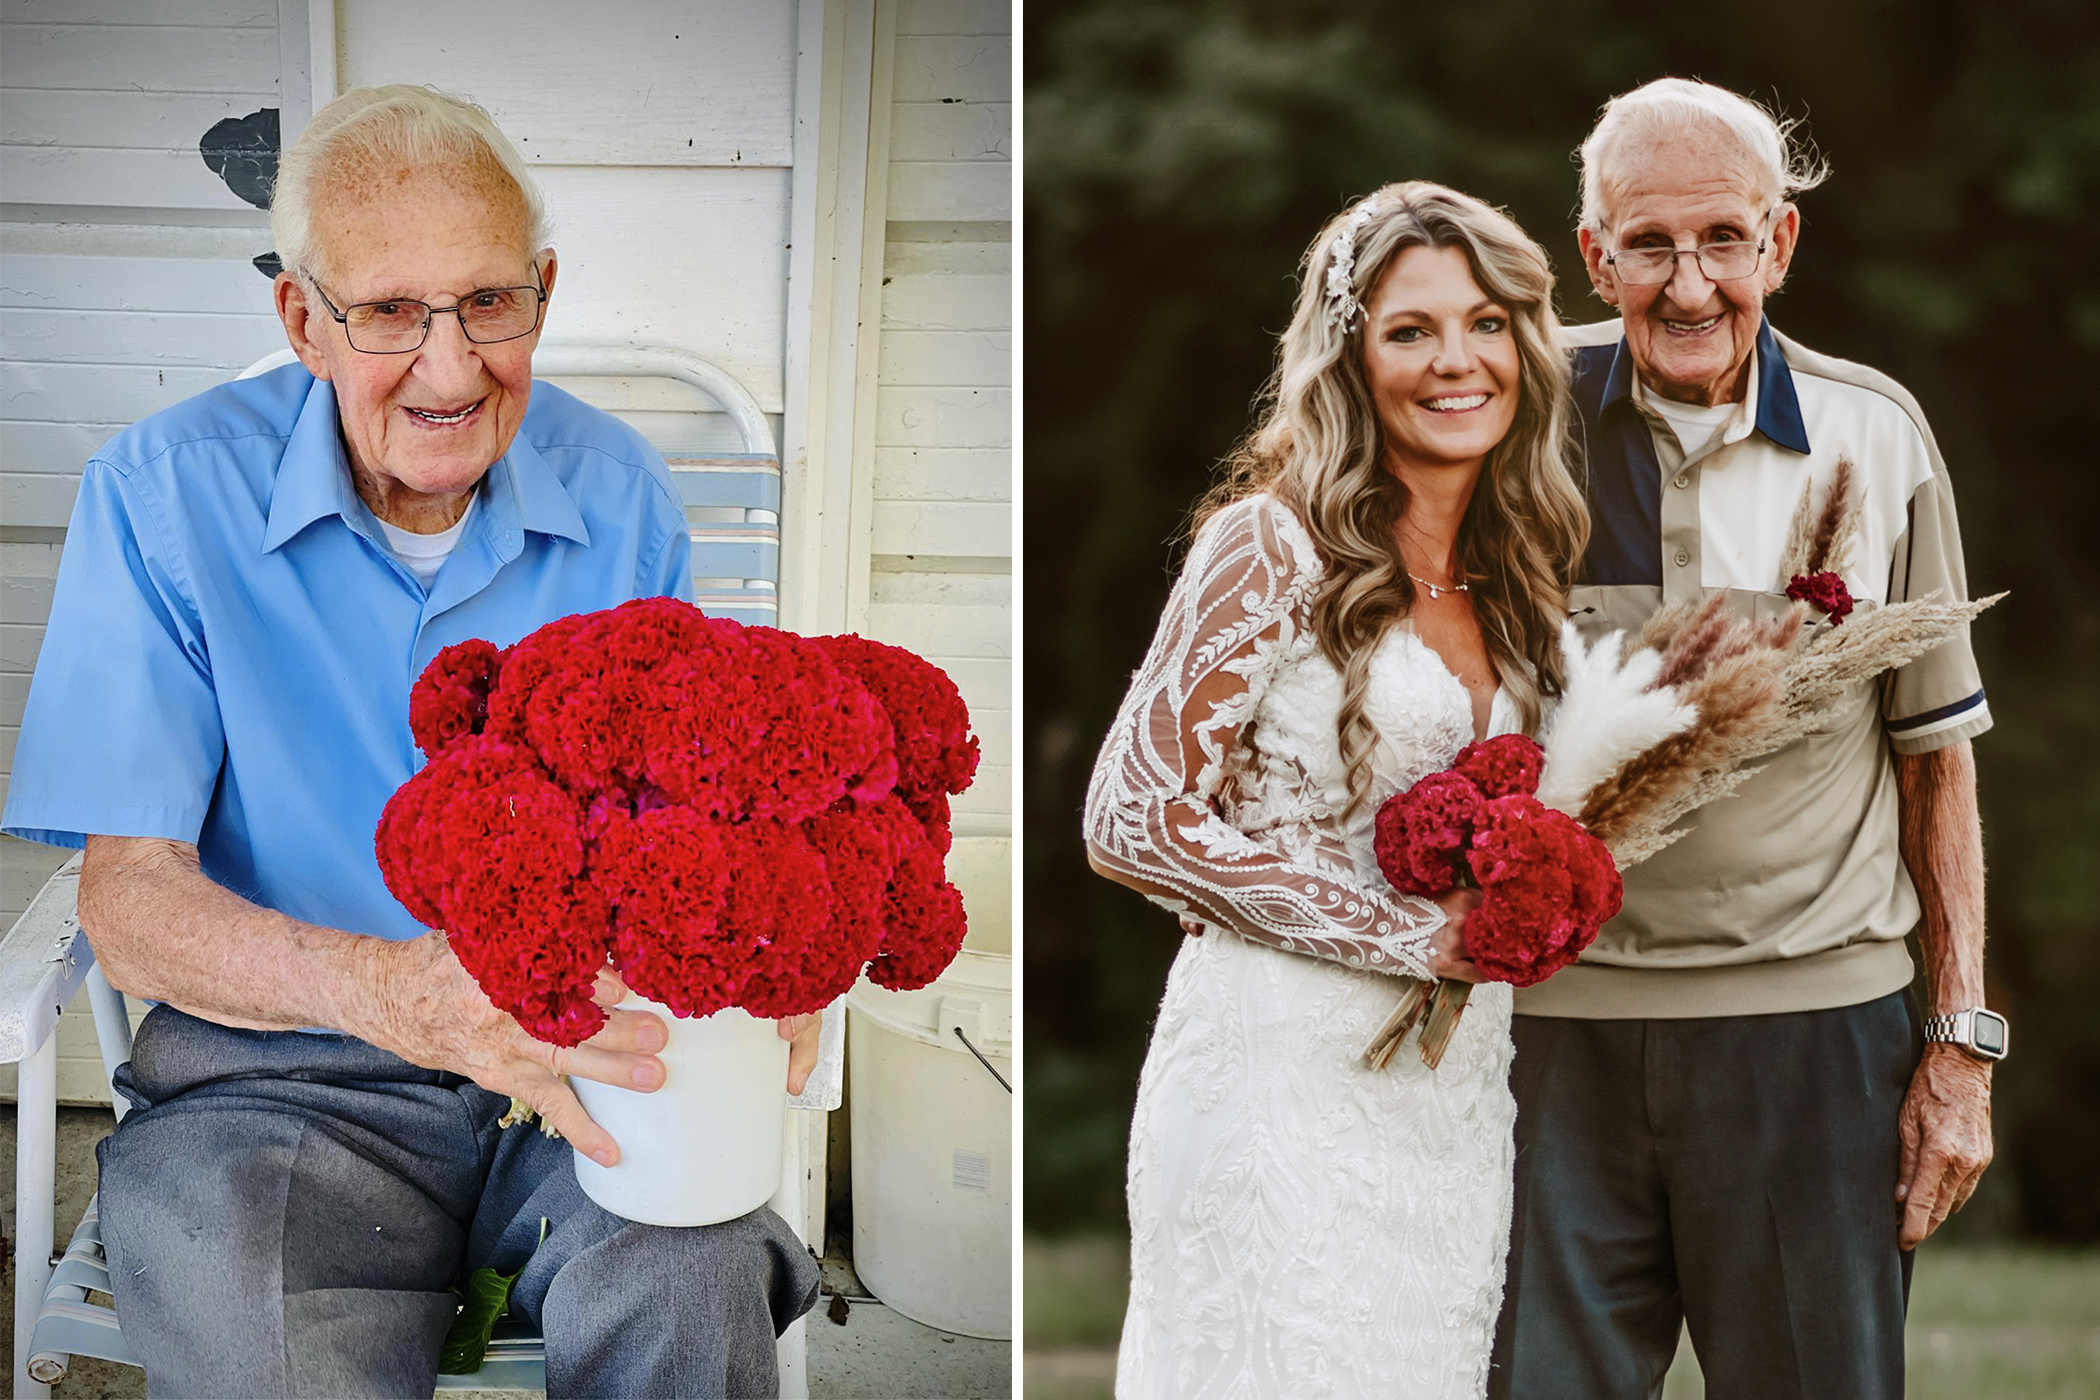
486	1299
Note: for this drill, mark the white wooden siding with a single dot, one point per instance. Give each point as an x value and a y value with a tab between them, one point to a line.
621	82
99	110
942	518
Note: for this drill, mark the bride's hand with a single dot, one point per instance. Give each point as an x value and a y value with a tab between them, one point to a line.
1447	946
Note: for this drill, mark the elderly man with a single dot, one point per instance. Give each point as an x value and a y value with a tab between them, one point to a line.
1724	1116
251	582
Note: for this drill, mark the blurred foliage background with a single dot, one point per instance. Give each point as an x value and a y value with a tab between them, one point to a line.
1179	156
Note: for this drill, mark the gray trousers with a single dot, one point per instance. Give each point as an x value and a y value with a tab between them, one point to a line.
1733	1174
285	1213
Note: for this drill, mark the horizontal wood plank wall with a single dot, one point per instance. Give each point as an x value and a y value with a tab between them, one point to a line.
943	471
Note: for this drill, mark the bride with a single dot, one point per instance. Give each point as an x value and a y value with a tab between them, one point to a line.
1378	582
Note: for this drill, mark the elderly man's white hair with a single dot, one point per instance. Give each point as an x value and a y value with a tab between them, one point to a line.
371	130
1675	108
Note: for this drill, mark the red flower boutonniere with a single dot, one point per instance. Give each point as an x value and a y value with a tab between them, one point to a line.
1825	591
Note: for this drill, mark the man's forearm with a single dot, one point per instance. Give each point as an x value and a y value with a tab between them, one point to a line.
1941	838
164	930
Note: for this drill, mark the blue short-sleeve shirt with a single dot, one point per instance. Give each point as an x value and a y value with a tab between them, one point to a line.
231	642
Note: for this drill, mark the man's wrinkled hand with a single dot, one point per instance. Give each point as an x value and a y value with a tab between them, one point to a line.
800	1032
431	1012
1946	1129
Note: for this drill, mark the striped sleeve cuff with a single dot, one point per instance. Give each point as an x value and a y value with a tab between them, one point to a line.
1939	727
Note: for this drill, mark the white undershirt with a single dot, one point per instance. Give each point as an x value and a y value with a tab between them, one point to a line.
426	554
1694	424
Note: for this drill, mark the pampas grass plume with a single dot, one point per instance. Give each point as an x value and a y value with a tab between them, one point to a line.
1609	714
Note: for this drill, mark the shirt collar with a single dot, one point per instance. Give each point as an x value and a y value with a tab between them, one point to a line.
1778	406
1771	388
313	481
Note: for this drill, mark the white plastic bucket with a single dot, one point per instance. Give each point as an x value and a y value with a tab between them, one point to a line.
706	1146
933	1146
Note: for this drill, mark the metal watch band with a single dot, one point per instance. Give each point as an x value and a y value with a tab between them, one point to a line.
1959	1028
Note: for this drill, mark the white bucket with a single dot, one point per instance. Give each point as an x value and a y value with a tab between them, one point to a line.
933	1146
706	1146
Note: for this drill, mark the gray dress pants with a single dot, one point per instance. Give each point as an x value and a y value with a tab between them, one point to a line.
1735	1175
285	1213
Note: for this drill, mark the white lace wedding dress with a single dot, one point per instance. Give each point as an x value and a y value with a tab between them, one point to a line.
1300	1226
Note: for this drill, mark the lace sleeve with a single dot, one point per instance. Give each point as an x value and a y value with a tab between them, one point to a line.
1152	820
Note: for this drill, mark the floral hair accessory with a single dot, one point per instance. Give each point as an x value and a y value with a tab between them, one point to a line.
1341	266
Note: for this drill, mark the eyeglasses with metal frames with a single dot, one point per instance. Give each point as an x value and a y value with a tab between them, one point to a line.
1721	262
398	325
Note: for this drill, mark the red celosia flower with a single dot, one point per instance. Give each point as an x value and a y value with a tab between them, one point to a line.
666	877
922	923
482	845
1421	834
451	698
1546	885
1825	592
814	957
1501	766
732	815
935	752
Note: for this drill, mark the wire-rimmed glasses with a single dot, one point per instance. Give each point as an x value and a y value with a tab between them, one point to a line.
395	327
1721	262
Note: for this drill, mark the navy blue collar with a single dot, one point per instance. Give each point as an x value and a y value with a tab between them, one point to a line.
1778	406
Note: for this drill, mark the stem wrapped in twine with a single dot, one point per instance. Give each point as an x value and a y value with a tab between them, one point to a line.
1444	1002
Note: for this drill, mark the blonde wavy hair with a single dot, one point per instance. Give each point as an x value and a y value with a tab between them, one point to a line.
1318	449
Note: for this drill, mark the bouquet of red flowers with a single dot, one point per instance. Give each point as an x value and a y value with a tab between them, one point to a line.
1546	884
730	815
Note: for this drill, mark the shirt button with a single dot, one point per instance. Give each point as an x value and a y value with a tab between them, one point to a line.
1683	558
1682	481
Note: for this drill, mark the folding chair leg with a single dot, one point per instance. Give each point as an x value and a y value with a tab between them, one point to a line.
36	1168
112	1032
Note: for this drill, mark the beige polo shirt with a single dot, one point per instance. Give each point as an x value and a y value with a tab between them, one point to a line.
1789	895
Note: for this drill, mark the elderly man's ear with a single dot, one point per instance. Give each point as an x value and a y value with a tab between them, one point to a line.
1786	231
1601	279
298	315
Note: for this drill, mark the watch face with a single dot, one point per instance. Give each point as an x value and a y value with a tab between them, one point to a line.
1988	1032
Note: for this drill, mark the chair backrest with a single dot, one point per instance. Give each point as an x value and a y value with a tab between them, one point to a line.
732	498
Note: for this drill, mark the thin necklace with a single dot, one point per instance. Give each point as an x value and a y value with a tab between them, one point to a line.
1436	592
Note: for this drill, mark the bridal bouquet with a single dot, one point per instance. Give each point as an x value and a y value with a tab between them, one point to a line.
1636	744
730	815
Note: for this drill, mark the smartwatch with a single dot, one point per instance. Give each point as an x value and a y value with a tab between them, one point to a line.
1979	1031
